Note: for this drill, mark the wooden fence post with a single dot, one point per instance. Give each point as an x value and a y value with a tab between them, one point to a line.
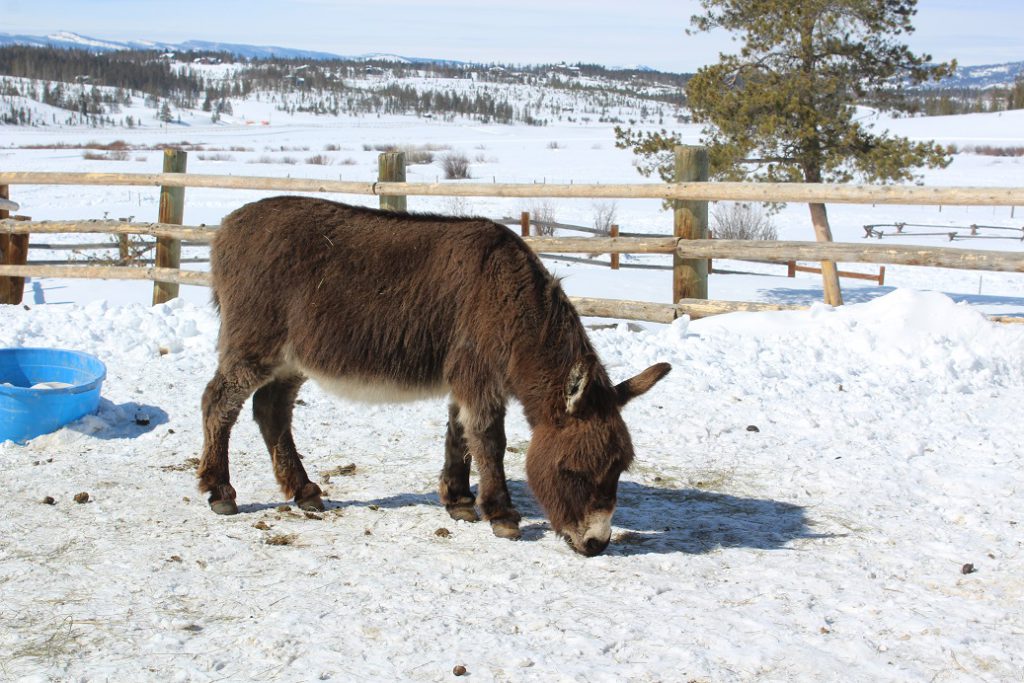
172	210
13	252
391	169
829	270
690	276
614	232
6	295
524	224
18	256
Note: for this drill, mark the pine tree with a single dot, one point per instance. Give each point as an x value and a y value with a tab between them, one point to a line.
1015	98
783	108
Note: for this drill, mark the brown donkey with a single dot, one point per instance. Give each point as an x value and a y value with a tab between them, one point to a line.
391	306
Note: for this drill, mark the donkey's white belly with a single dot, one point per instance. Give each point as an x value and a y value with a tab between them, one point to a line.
376	391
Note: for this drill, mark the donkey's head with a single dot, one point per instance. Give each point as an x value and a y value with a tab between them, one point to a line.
575	460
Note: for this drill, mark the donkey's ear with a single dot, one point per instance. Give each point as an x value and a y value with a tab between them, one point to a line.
634	386
575	385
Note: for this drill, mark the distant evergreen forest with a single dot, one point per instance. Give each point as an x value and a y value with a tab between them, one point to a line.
949	101
94	86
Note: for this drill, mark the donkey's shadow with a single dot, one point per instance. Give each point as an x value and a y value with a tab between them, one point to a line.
695	521
650	519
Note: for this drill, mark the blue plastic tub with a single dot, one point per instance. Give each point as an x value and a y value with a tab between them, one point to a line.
27	412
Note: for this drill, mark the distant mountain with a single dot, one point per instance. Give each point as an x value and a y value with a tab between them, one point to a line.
249	51
69	40
985	76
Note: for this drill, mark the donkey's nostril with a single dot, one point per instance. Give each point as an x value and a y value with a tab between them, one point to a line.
593	546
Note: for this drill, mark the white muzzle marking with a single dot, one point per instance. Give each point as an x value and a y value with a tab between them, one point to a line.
597	526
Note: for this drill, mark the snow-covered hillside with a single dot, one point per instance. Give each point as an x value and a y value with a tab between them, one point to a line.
179	90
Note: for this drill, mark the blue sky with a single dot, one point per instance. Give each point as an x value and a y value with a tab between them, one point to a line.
650	32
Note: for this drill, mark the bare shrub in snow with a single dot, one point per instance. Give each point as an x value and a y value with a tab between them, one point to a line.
604	216
995	151
543	212
457	206
414	154
319	160
112	155
741	221
455	166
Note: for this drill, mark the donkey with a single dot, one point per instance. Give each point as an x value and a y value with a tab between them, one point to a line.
386	306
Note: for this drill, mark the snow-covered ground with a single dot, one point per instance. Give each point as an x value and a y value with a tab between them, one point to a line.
808	492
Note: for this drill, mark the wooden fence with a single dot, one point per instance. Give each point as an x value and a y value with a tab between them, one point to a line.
688	246
548	227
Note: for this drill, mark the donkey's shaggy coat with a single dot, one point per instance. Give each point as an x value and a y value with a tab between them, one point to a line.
393	306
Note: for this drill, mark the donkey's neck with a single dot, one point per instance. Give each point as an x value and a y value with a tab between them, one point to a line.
540	371
542	400
544	342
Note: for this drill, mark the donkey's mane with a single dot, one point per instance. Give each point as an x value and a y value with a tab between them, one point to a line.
406	217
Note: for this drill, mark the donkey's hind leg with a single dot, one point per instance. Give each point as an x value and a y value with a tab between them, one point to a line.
454	485
222	401
272	409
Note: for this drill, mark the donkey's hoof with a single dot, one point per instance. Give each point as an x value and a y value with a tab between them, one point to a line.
308	498
311	504
505	528
224	507
463	513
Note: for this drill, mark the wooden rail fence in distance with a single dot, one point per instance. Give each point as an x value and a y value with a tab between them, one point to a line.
750	192
793	268
780	252
680	191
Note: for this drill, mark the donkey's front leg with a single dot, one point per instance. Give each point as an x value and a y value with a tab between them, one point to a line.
454	485
485	436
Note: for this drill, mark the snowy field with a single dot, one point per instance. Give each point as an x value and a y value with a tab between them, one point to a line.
832	494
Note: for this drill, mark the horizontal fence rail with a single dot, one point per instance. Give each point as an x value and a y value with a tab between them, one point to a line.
904	255
700	191
93	272
199	233
772	252
604	245
768	251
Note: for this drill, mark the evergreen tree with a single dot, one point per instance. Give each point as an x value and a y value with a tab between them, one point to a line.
1015	97
788	97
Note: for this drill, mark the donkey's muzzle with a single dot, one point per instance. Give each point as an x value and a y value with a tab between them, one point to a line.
593	546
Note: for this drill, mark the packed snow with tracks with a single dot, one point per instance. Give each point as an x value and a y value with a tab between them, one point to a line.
808	489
